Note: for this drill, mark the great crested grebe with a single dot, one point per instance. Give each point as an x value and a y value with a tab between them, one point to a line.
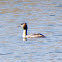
24	25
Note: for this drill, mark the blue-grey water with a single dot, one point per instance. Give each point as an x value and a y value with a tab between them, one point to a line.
42	16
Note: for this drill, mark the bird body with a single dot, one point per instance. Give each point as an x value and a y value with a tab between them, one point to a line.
24	25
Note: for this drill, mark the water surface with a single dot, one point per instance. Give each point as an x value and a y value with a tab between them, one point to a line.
42	16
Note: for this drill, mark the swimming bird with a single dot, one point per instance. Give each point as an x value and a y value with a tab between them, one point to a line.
24	25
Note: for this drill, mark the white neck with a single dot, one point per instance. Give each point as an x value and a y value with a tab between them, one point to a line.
24	33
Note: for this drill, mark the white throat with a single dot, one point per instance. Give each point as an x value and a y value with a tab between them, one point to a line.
24	33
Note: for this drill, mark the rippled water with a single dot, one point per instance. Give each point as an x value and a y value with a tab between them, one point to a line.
42	16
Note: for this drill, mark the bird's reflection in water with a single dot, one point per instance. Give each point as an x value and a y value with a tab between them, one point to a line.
24	39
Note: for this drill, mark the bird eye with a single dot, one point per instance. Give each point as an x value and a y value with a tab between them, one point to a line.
22	23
